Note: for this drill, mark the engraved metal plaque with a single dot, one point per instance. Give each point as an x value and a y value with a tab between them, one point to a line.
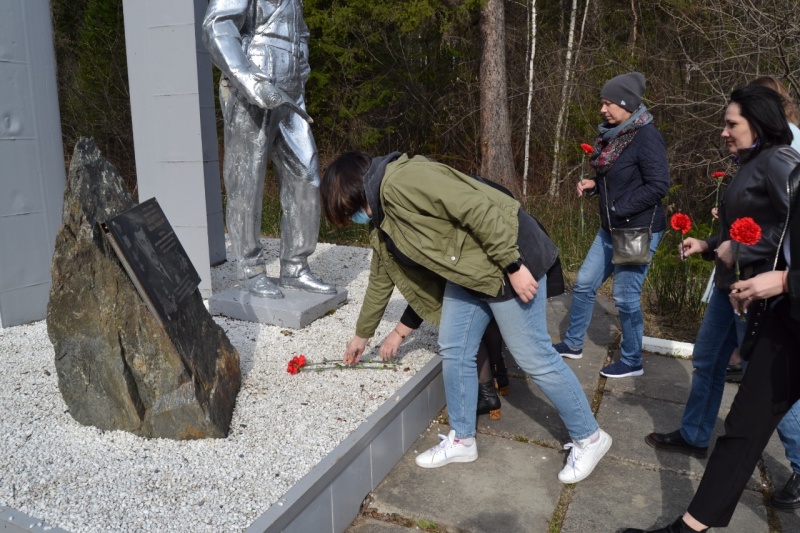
154	258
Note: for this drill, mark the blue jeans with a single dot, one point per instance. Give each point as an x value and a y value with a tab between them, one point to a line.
789	433
524	330
720	332
628	280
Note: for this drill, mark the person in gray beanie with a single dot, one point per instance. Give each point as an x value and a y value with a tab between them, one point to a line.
625	90
631	179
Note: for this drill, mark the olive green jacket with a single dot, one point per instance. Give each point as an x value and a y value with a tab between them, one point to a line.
446	222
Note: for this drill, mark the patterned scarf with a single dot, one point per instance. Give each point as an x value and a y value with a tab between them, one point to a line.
613	140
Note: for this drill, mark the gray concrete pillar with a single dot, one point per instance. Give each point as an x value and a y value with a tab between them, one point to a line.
174	124
32	173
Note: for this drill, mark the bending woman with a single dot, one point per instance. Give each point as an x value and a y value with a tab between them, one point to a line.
429	222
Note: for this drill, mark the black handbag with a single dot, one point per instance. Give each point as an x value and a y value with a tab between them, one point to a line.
630	246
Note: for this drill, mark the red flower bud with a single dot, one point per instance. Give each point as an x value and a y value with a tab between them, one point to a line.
718	174
587	148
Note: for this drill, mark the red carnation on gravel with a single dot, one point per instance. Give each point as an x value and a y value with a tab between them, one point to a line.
296	363
745	231
681	222
587	148
718	174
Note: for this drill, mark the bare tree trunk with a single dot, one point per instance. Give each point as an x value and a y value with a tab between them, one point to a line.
553	189
497	162
634	28
531	55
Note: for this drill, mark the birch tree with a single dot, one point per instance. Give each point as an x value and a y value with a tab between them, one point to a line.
531	55
562	114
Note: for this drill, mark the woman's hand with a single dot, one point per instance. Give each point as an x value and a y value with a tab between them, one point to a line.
391	343
354	349
585	185
725	254
759	287
524	284
690	246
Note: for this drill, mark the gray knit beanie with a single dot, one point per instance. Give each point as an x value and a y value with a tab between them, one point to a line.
625	90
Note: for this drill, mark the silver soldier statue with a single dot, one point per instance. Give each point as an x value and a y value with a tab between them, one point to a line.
261	47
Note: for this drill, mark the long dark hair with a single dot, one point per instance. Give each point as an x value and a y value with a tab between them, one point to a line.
342	187
763	109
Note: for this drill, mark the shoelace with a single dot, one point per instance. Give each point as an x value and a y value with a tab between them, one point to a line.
575	454
444	441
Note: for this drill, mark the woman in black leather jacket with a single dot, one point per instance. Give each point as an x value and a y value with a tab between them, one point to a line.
757	134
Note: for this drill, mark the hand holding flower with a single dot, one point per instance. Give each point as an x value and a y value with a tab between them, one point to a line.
355	348
760	287
585	185
690	246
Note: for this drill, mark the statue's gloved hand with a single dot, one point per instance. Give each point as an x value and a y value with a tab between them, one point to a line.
266	95
259	90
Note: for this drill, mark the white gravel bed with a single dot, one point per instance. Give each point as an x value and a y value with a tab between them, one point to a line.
82	479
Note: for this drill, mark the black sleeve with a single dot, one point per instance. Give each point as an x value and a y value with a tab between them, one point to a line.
410	318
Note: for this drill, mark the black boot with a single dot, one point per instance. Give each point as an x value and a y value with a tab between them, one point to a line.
678	526
500	374
789	497
488	401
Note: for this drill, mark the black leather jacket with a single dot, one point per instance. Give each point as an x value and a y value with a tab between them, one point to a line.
760	190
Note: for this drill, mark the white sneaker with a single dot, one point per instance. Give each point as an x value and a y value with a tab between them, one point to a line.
449	450
583	458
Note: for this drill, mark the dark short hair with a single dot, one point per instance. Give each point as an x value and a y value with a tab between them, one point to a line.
763	109
342	187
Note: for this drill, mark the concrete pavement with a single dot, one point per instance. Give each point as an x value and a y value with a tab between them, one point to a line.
513	487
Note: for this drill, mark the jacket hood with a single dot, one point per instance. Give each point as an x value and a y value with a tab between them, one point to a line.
372	185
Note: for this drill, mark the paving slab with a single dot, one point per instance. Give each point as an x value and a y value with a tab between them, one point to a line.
621	496
527	414
513	486
665	378
628	419
369	525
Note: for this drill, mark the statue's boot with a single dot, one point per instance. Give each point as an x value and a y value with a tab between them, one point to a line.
306	281
260	285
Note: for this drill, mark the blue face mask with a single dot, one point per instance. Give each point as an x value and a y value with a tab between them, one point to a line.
360	217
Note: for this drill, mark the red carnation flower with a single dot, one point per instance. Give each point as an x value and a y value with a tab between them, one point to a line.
718	174
745	231
587	148
681	222
296	363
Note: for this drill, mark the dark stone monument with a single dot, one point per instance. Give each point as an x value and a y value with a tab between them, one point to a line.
120	367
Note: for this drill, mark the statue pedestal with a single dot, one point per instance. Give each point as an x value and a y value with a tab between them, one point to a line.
295	310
